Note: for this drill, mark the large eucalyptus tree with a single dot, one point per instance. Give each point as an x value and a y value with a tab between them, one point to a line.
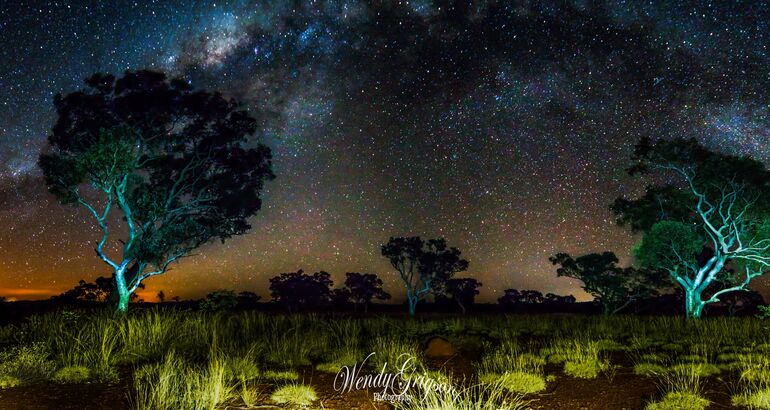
706	222
161	168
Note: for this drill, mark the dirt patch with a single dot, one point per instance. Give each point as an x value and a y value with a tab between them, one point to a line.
437	347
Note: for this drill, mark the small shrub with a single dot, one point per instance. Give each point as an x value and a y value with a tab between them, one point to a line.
297	394
72	374
680	401
764	311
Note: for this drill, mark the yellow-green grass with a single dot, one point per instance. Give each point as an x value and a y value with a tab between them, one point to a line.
679	401
296	394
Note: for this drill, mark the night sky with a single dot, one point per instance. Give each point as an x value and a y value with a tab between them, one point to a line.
504	127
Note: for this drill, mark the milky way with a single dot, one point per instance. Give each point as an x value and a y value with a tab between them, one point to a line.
503	127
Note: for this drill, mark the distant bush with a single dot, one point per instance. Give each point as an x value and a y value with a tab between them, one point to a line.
219	301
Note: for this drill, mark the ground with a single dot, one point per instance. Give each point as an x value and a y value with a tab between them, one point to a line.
605	352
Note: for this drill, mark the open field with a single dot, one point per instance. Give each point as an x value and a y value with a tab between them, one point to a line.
169	359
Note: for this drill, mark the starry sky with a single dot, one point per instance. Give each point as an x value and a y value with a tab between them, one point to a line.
504	127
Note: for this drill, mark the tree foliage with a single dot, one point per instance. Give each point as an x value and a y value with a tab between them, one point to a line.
554	298
297	290
513	297
361	288
222	300
100	290
423	266
723	241
461	291
612	286
177	166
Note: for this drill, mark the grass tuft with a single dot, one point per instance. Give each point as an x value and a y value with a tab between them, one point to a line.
72	374
680	401
516	381
297	394
754	400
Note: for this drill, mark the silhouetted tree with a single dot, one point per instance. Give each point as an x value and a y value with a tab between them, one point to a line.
98	291
727	218
176	298
296	290
176	165
219	301
461	291
554	298
510	298
615	288
341	298
531	297
737	302
423	266
361	288
248	299
161	296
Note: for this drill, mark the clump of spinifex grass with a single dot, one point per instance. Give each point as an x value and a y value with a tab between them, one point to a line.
25	364
581	357
513	369
754	383
479	397
72	374
76	341
176	384
683	391
296	394
395	353
343	346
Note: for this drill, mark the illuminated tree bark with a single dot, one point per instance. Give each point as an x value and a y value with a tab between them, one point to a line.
167	167
734	234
